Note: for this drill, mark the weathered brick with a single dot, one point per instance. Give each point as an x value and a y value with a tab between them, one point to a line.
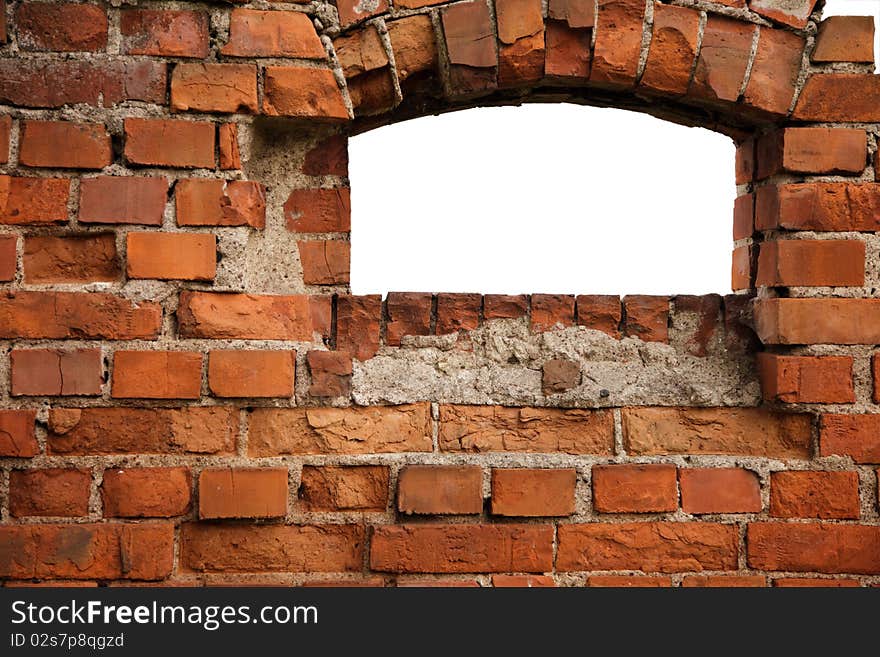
439	489
741	272
227	146
628	581
618	45
522	581
814	547
837	207
567	51
818	321
318	210
746	162
354	11
521	33
462	548
634	488
172	33
807	379
576	13
5	132
272	34
719	490
17	435
93	551
559	375
8	257
775	70
185	256
210	430
329	157
744	216
80	315
724	581
696	319
251	373
202	202
845	39
344	488
652	547
471	47
533	492
56	371
856	436
815	582
551	311
243	493
353	430
303	92
647	317
52	492
415	50
226	88
330	373
33	200
739	431
146	492
73	259
839	98
724	57
457	312
499	428
171	143
325	262
808	494
157	374
61	27
600	313
357	325
812	150
122	200
409	313
791	12
673	49
505	306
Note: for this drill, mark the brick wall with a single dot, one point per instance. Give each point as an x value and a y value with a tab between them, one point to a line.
189	393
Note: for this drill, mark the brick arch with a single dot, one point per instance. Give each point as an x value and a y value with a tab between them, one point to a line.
190	393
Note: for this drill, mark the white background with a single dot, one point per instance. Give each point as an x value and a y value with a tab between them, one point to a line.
545	198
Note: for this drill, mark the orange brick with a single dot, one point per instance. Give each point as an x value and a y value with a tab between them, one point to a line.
814	547
818	321
229	88
204	202
344	488
839	98
724	581
146	492
272	34
522	581
56	371
26	201
243	493
165	32
504	306
628	581
647	317
55	492
304	93
719	490
793	263
17	434
168	256
170	143
318	210
634	488
845	39
251	373
600	313
64	145
806	494
618	42
330	372
71	259
815	582
434	490
122	200
856	436
358	321
8	257
550	311
409	313
533	492
157	374
807	379
812	150
325	262
457	312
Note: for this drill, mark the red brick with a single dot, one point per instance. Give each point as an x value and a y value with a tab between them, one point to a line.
325	262
227	146
63	145
164	32
806	494
56	371
3	35
80	315
146	492
409	313
251	316
521	33
272	34
744	217
330	373
652	547
741	268
794	13
318	210
366	67
503	306
210	430
171	143
775	70
303	92
813	150
344	488
251	373
436	490
634	488
628	581
807	379
357	325
415	50
74	259
226	88
274	548
719	490
462	548
839	98
62	27
599	313
243	493
724	581
347	430
845	39
122	200
185	256
818	321
5	131
206	202
8	257
647	317
54	492
509	429
471	48
522	581
353	11
106	82
17	435
33	200
576	13
875	373
157	374
559	375
437	583
533	492
697	318
618	42
724	57
673	49
838	207
815	582
734	431
814	547
92	551
329	157
551	311
856	436
457	312
746	163
567	51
